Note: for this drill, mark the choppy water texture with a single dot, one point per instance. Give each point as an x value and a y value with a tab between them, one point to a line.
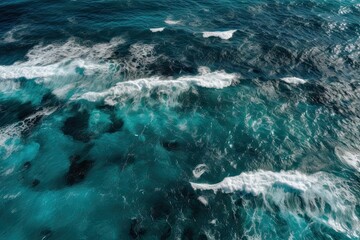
180	119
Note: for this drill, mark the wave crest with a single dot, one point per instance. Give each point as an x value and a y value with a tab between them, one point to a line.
143	87
299	194
225	35
44	61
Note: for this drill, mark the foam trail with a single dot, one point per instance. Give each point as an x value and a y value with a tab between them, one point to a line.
142	87
61	60
203	200
59	69
204	70
141	55
293	80
351	159
10	133
9	86
172	22
18	71
70	50
200	170
258	182
316	190
12	35
226	35
61	92
154	30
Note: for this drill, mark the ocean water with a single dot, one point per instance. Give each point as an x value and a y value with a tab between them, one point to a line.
142	119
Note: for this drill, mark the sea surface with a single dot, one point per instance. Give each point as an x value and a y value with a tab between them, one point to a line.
143	119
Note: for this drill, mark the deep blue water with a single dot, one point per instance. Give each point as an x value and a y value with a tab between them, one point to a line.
164	119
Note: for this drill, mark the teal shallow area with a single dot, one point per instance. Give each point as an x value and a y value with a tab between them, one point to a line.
179	120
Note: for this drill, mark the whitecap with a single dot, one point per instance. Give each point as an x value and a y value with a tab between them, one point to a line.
136	64
223	35
259	182
351	159
143	87
12	196
200	170
61	92
70	50
23	70
172	22
204	70
316	191
154	30
14	34
293	80
344	10
10	134
44	61
203	200
9	86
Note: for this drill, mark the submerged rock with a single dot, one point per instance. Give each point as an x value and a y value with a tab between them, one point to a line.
160	210
136	230
130	159
171	145
166	234
25	110
50	100
75	158
188	234
45	234
116	125
27	165
202	237
78	171
12	111
77	126
35	182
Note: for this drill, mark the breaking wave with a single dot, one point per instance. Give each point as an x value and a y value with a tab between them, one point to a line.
320	196
143	87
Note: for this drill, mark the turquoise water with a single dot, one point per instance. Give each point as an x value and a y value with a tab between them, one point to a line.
179	120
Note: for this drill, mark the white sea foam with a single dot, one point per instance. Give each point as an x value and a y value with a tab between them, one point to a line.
154	30
136	64
203	200
143	87
316	191
172	22
344	10
58	69
8	86
351	159
200	170
62	91
293	80
57	52
10	134
60	65
45	61
223	35
204	70
13	35
259	182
